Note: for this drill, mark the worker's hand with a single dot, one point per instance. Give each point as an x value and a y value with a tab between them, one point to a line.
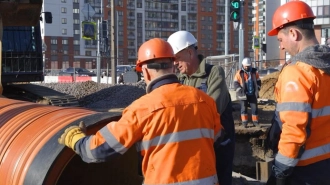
72	134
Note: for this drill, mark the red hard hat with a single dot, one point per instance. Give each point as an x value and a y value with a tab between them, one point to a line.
153	49
290	12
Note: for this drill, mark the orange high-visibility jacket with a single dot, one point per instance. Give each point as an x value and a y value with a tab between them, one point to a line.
241	77
302	93
174	127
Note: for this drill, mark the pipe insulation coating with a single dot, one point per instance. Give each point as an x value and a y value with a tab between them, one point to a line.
30	153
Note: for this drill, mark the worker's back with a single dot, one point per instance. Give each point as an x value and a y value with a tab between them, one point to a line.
179	124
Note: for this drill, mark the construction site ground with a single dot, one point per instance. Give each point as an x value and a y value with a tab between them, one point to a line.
250	147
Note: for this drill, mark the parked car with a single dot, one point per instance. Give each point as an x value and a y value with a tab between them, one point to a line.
77	71
123	69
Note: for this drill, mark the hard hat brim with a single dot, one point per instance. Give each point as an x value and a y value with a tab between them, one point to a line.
273	32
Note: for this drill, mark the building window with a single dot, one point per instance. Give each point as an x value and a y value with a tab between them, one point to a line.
88	53
63	1
76	52
76	42
120	3
65	52
183	7
75	10
76	32
64	21
64	31
53	41
76	21
63	10
326	10
65	42
75	1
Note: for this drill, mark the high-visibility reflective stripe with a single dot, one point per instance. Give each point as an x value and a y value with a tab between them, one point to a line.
294	106
112	141
285	160
177	137
88	151
217	135
303	107
324	111
314	152
212	180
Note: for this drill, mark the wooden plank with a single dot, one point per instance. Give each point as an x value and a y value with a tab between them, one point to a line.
263	170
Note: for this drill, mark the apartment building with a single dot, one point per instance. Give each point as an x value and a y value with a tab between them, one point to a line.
136	21
263	13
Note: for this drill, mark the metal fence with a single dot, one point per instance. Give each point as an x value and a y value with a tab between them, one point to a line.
230	65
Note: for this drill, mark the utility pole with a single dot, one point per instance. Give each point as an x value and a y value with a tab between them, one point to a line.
260	52
98	57
113	54
226	34
241	34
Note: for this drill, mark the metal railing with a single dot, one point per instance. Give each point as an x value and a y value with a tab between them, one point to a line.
229	63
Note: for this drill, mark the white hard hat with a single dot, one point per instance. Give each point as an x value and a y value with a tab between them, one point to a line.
181	40
246	62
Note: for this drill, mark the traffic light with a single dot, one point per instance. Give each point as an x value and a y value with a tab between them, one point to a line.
104	29
235	6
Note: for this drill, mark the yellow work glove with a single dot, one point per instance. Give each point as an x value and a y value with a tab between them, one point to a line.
72	134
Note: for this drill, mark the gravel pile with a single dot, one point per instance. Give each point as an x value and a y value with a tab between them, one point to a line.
101	96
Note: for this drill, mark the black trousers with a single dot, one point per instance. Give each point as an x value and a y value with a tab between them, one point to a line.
225	151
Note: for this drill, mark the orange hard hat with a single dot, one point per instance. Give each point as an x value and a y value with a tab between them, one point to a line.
290	12
153	49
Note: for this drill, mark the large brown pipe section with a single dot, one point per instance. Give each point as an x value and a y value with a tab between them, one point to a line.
29	150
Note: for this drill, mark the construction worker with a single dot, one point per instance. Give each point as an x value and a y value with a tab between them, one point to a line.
301	123
210	79
174	126
247	85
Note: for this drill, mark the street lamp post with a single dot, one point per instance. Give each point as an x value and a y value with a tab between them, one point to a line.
98	57
113	44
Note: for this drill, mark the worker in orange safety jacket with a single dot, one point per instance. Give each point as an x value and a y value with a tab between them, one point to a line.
247	85
301	127
174	126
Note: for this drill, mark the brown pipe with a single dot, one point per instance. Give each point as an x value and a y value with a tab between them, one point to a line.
31	155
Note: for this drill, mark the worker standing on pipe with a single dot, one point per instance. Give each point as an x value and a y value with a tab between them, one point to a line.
175	127
300	130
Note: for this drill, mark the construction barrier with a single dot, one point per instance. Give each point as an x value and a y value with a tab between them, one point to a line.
30	153
83	78
65	79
